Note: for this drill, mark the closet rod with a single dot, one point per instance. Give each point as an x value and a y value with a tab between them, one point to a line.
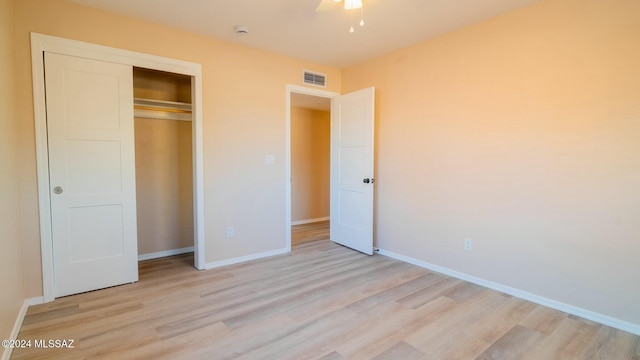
161	109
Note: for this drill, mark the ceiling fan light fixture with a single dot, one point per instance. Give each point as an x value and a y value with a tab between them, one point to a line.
352	4
326	5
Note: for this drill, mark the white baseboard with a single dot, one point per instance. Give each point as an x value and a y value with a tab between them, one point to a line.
35	301
6	354
166	253
309	221
217	264
541	300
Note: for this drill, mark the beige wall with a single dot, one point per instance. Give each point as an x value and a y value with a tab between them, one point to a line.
523	134
12	294
310	150
244	119
164	185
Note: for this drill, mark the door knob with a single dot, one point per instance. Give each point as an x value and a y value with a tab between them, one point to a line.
57	190
366	181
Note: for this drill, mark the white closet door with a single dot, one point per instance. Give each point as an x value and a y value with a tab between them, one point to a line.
352	180
92	173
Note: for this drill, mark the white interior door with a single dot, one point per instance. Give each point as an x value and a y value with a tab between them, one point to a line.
92	173
352	170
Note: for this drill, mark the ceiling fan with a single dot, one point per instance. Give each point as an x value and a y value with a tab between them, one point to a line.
326	5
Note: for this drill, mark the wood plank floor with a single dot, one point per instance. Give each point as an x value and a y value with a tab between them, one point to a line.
322	301
309	232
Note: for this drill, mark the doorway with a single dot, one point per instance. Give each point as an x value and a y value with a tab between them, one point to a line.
308	160
41	44
351	165
310	165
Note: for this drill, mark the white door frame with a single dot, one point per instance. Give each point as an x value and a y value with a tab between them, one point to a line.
287	153
45	43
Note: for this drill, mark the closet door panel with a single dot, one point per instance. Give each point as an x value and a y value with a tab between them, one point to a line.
92	173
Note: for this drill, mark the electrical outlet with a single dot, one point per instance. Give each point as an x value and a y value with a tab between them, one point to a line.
468	244
230	232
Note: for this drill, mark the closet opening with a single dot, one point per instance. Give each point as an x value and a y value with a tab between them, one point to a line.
164	164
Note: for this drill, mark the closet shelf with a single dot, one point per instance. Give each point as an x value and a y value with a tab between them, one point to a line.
160	109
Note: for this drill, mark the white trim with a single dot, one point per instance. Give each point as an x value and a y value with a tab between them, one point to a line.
221	263
38	300
44	43
198	170
161	254
42	168
6	354
310	221
287	148
540	300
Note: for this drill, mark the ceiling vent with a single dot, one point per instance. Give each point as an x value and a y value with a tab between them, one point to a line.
316	79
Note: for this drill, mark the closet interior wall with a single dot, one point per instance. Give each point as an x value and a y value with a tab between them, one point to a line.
164	175
310	164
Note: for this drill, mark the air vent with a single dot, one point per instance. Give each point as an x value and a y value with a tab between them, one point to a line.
316	79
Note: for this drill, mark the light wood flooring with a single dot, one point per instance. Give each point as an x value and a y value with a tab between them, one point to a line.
309	232
322	301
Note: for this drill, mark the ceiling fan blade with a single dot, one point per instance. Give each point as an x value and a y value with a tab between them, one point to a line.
327	5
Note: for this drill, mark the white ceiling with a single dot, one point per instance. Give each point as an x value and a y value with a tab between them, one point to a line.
294	28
